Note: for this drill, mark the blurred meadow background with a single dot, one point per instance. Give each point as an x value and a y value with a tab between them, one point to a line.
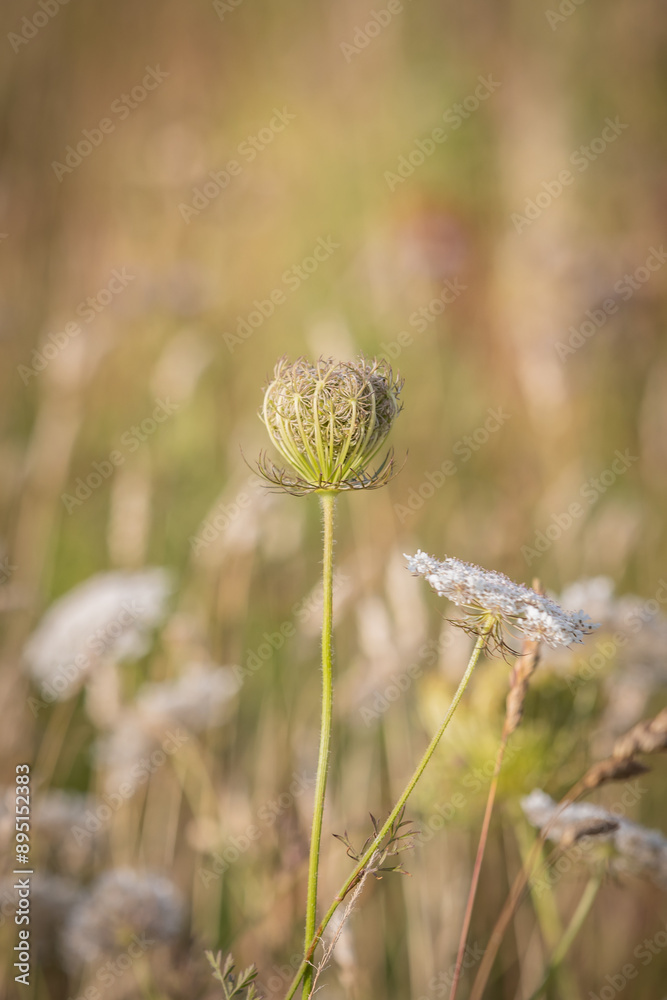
188	192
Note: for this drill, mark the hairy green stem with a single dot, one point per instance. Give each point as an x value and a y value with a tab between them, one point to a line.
305	970
327	501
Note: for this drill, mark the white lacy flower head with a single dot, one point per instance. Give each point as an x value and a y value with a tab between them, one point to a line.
492	600
110	617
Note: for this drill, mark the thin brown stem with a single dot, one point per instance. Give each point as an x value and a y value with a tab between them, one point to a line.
524	668
648	737
483	837
518	886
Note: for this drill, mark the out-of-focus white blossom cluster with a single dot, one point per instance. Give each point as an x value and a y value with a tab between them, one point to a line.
640	623
107	619
82	641
120	904
627	846
162	717
245	518
628	658
122	912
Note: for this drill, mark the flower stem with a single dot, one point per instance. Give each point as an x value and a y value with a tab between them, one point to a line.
478	864
327	501
575	925
311	943
515	895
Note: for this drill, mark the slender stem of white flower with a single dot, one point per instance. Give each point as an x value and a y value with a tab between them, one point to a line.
575	925
328	501
305	970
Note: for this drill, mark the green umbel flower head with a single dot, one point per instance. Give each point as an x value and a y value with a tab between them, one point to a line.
329	420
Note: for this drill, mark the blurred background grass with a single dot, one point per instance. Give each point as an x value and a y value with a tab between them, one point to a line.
162	337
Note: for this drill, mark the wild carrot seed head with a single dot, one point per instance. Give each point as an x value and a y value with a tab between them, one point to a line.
329	420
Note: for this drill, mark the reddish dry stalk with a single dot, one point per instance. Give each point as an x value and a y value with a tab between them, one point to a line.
507	912
647	737
478	866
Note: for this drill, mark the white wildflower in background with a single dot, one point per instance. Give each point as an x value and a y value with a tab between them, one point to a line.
56	811
108	617
595	593
492	601
629	659
52	899
194	702
197	699
631	848
123	753
122	903
641	621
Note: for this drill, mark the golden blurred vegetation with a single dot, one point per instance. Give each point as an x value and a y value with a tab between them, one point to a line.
144	305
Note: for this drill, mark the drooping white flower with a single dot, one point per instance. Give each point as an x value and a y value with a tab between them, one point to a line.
491	600
108	617
634	848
